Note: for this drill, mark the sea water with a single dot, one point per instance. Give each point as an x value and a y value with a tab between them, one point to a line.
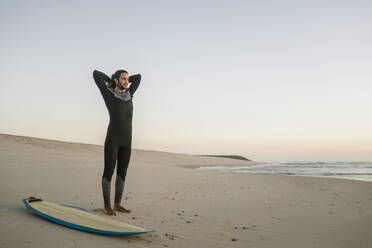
348	170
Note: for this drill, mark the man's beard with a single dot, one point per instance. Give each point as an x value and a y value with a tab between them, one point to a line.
121	87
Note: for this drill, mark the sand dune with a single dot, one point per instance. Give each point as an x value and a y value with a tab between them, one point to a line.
186	207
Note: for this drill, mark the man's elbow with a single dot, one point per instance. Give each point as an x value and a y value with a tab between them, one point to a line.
96	74
135	78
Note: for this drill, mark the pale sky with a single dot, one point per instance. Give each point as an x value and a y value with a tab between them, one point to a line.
269	80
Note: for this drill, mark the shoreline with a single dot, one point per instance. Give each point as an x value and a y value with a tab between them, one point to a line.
278	174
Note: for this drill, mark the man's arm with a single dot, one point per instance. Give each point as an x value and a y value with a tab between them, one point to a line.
101	78
135	80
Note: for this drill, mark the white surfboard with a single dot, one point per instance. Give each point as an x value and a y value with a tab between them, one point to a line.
80	219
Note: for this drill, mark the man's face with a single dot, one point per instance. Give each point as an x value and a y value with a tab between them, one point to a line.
123	81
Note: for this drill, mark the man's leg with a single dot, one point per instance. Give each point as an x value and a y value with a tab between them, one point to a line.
110	155
124	154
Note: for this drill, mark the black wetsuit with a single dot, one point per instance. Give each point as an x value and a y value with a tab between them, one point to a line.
119	134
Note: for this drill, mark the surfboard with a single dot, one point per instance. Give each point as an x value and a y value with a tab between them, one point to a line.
79	218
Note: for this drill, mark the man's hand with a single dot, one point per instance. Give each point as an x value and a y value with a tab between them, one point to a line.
109	84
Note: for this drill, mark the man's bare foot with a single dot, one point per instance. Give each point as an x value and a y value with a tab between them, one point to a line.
120	208
108	210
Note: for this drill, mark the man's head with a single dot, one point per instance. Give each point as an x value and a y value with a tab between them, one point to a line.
120	79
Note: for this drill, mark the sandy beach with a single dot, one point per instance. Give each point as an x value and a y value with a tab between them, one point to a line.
186	207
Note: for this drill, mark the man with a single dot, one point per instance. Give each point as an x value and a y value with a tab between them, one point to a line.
118	99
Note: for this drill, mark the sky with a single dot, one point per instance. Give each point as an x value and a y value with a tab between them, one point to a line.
268	80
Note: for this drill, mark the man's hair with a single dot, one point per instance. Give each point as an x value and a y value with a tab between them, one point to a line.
117	76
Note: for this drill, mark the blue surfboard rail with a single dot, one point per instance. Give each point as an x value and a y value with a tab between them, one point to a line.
75	226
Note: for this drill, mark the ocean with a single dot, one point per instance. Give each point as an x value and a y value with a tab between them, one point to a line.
347	170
